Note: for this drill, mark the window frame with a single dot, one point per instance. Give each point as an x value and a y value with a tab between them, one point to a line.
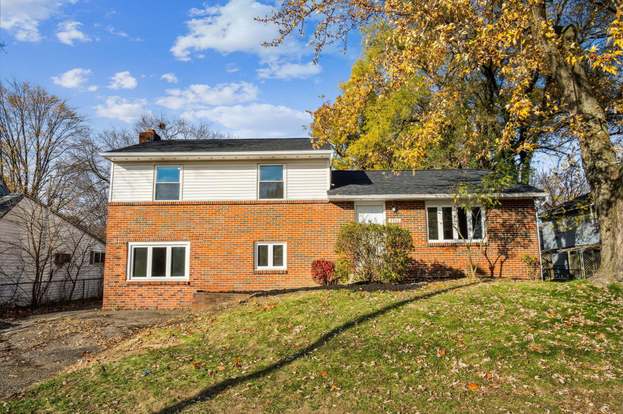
283	180
93	254
150	246
455	223
155	181
270	256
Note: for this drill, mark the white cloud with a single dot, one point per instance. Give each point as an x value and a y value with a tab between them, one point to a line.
122	80
120	33
121	109
69	32
256	120
199	95
231	28
169	77
22	17
284	70
231	68
73	78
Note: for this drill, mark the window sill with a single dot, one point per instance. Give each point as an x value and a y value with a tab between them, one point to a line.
159	281
270	271
456	243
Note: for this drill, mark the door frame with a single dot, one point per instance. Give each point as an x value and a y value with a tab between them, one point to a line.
370	203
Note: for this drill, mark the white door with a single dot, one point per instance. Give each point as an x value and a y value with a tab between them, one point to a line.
370	212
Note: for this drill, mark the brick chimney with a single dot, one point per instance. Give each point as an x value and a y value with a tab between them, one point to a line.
149	135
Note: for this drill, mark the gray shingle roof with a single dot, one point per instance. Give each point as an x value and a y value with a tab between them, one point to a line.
7	202
221	145
3	188
579	204
358	183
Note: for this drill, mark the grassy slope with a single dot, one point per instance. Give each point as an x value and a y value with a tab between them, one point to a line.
495	347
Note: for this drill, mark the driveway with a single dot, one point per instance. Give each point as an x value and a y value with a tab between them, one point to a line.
37	347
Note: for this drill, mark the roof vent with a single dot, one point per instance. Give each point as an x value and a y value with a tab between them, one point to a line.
149	135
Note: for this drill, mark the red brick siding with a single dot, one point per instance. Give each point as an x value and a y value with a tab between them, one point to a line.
511	235
222	237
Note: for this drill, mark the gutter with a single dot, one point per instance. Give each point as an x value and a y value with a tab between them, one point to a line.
343	197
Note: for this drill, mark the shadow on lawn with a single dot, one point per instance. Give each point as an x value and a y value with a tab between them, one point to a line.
214	390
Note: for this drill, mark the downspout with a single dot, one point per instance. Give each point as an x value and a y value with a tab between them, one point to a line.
112	177
538	237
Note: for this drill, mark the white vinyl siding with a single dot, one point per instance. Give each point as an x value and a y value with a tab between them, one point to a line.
133	182
307	180
220	181
223	180
16	261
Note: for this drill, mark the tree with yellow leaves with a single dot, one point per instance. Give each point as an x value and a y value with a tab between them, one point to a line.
555	65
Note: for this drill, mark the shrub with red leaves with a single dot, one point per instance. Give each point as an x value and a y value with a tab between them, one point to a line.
323	272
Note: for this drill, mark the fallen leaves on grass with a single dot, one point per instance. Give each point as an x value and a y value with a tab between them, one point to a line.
472	386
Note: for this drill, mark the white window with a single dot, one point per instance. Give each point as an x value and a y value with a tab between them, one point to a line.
271	183
270	256
158	260
96	257
370	212
168	180
447	222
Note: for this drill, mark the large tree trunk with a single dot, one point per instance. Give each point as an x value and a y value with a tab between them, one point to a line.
603	171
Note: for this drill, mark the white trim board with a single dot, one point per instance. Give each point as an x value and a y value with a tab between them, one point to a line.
241	155
371	197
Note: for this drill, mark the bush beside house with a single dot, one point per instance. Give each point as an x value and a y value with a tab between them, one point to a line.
323	272
373	252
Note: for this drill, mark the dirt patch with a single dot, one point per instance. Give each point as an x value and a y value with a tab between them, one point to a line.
35	348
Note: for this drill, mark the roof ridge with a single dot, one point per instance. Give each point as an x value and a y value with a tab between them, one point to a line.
221	145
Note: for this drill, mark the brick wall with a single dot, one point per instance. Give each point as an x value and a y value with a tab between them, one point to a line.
511	234
222	237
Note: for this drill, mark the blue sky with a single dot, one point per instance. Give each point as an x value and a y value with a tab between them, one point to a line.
114	60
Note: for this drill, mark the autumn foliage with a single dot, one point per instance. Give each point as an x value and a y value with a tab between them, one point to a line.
323	272
499	79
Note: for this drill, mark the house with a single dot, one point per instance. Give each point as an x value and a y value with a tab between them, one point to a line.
232	215
44	257
570	240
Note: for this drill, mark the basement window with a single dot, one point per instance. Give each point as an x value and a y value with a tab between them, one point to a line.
270	256
451	223
157	261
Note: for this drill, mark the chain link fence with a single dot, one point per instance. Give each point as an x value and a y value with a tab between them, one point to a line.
578	263
55	291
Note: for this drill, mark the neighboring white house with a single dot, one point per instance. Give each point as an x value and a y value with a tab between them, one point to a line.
45	258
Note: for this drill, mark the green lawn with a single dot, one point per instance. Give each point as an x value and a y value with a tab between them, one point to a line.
449	347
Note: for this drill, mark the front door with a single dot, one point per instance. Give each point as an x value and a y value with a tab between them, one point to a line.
370	212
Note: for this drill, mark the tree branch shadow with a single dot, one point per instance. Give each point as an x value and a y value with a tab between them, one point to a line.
220	387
